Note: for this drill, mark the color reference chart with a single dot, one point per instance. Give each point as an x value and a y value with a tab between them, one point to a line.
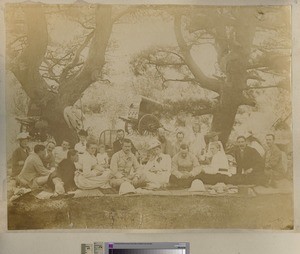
147	251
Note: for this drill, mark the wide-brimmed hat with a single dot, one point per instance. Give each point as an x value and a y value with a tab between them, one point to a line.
23	135
126	188
197	185
153	144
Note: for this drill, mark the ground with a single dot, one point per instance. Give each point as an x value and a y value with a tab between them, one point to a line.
273	211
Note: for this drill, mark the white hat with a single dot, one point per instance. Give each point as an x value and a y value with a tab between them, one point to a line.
126	188
197	185
23	135
153	144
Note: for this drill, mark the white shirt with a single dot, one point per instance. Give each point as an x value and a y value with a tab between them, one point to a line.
102	158
160	166
59	154
198	144
80	147
87	163
219	160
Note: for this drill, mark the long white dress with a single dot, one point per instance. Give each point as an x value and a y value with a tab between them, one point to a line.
88	178
158	170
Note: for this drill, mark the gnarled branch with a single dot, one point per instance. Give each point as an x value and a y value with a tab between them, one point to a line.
204	81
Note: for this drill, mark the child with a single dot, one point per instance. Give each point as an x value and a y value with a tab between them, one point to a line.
81	145
102	157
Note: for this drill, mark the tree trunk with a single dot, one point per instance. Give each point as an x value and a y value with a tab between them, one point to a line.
26	69
224	116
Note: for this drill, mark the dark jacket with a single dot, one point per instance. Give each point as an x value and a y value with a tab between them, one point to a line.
250	159
66	172
19	154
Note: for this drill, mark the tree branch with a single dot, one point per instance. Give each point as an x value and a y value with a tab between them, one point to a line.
204	81
123	13
76	57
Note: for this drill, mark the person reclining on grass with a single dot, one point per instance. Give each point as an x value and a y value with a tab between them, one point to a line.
185	168
91	175
34	173
125	167
158	167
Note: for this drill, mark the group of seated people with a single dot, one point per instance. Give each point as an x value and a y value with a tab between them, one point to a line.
88	165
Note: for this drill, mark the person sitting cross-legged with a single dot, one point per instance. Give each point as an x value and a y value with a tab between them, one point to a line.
60	152
185	168
274	169
20	154
62	179
49	159
217	170
125	167
91	175
250	164
34	173
158	167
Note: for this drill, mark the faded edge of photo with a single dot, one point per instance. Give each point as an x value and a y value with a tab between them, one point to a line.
296	121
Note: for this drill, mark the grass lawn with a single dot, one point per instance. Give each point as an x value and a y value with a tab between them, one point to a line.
153	212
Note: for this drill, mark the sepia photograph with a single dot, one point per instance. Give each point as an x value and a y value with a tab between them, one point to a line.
148	117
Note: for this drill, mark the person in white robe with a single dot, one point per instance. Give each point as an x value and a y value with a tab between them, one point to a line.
158	168
91	175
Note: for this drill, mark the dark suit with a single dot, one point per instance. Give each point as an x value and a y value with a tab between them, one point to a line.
117	146
249	158
246	159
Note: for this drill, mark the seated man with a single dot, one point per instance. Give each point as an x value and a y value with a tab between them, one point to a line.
249	164
20	154
273	161
33	173
125	167
185	168
49	160
62	179
81	145
60	152
91	175
158	167
117	145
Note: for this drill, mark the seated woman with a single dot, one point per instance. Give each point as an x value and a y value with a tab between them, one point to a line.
91	175
158	167
217	170
211	137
